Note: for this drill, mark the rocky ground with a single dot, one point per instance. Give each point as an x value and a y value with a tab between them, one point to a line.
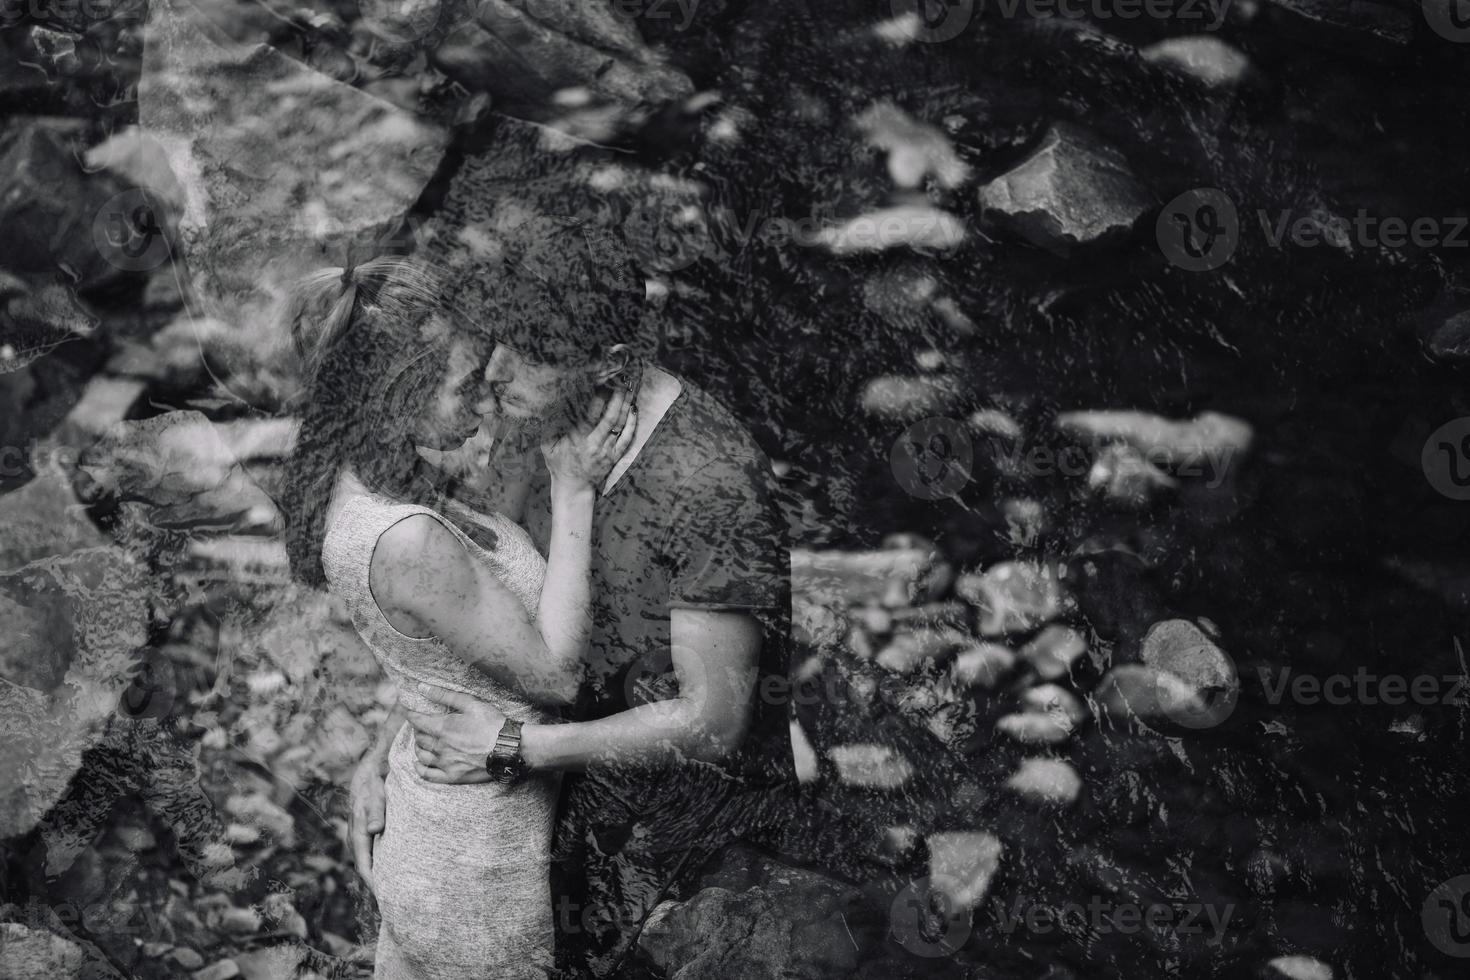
1120	443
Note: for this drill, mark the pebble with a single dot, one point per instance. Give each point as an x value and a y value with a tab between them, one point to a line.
916	226
1055	700
908	398
1047	781
1053	652
137	839
982	665
962	865
1014	596
908	651
803	754
1299	967
1209	438
1035	728
870	766
1072	190
1201	56
223	970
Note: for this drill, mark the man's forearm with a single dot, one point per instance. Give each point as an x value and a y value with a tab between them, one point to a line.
661	731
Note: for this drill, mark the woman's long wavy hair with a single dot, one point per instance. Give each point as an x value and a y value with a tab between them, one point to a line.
374	346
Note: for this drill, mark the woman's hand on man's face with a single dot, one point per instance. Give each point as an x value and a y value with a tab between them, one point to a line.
452	748
584	456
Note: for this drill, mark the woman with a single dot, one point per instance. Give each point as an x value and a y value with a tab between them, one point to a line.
460	872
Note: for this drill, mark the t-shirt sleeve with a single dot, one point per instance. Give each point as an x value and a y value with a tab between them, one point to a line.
726	539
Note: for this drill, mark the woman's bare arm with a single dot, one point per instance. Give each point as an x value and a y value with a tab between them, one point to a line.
427	584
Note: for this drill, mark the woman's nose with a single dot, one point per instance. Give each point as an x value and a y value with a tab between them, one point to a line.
499	366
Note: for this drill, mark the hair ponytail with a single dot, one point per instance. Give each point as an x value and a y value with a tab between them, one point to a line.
359	334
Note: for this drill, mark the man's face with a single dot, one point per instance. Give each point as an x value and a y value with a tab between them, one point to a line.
535	397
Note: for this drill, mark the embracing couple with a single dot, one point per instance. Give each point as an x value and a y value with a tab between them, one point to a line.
586	623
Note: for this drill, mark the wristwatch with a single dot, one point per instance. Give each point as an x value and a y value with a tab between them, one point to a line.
504	761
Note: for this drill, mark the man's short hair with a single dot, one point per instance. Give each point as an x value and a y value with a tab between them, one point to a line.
535	261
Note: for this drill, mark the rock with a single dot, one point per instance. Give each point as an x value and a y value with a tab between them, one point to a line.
222	970
524	60
1179	648
236	920
909	651
75	612
1053	652
271	963
1376	31
764	920
953	614
914	226
870	766
903	398
27	952
1057	701
1126	479
982	665
1299	967
1035	728
139	159
1014	596
284	170
1203	57
916	150
803	755
1047	781
856	578
962	865
180	470
51	209
185	958
1450	341
1209	440
1073	190
34	322
898	295
137	839
259	811
1148	694
995	423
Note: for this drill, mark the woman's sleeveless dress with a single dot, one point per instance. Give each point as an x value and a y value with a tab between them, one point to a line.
460	872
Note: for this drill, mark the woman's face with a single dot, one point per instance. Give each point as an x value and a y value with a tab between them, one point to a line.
449	417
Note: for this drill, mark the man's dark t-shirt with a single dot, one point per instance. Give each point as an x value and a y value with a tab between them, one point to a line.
691	524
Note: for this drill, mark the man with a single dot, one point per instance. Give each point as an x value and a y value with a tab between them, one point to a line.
680	740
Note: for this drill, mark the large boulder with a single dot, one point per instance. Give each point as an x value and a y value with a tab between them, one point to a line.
283	168
74	610
756	918
523	55
51	209
1072	190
